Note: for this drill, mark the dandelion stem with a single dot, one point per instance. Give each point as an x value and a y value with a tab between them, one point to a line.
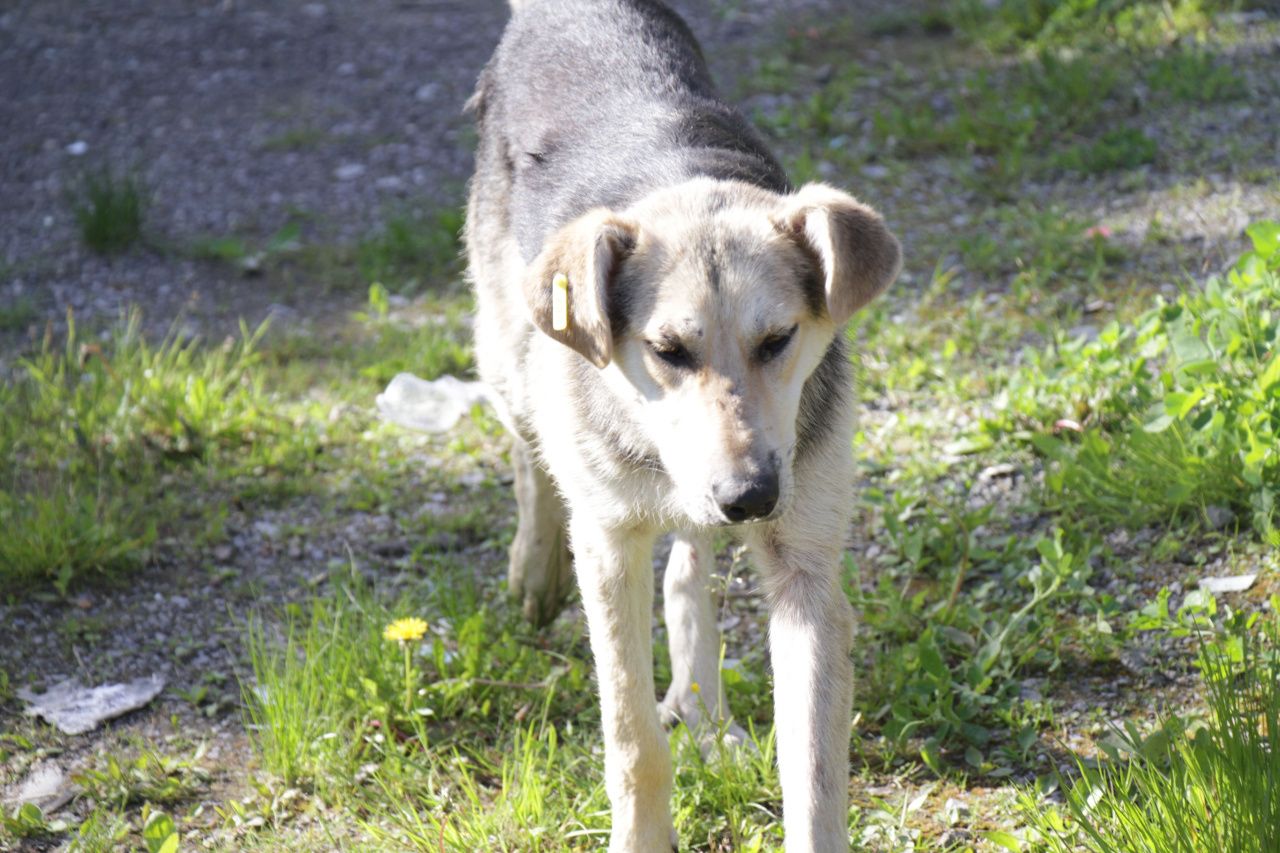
408	679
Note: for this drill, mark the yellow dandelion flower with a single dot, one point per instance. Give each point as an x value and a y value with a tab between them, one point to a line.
402	630
695	687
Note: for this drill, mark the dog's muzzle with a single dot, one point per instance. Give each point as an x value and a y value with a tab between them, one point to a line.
747	499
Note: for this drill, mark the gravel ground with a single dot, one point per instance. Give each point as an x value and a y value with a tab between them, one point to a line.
240	117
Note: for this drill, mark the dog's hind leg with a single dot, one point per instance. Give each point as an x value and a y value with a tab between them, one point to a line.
540	572
615	573
695	697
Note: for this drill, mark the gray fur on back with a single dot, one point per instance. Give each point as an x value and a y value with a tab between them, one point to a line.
599	102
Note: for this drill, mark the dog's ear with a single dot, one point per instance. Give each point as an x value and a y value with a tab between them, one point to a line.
855	252
588	251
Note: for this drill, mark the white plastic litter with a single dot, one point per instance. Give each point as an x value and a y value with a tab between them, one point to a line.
1236	583
46	785
433	406
76	709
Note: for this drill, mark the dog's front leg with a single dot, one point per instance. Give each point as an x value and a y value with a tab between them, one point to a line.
615	572
810	637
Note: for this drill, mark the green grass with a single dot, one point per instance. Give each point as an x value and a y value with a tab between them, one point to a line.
486	737
1010	25
18	314
295	139
150	776
1122	148
1193	784
108	209
90	425
98	429
411	249
1196	75
1015	118
1171	413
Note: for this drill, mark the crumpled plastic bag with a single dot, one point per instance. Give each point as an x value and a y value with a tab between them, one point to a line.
76	709
46	785
434	406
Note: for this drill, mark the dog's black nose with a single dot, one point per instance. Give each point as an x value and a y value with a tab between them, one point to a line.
744	500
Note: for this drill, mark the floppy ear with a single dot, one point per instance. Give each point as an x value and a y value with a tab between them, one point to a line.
588	251
857	255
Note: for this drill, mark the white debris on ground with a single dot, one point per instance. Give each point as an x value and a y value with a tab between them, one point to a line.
45	785
1235	583
76	709
434	406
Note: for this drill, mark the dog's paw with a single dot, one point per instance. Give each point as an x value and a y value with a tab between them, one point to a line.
669	716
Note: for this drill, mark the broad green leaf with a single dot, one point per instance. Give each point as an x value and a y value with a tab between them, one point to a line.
1179	403
1270	376
969	444
1265	236
932	758
931	659
1004	839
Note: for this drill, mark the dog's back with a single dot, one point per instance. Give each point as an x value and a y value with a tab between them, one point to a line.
597	103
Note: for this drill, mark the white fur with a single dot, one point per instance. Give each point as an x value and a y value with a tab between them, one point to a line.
616	510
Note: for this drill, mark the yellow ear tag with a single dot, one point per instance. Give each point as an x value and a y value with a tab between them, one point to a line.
560	302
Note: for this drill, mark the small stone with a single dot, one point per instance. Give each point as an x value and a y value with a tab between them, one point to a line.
427	91
1219	516
991	472
251	265
958	808
346	69
78	148
349	171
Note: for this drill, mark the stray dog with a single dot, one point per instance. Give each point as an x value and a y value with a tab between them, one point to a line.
661	315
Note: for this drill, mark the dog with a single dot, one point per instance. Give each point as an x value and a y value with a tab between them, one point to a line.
661	313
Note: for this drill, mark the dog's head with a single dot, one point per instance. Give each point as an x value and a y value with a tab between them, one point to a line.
706	307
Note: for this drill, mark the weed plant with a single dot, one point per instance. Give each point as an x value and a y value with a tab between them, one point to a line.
1168	414
108	209
1008	25
1192	784
91	426
411	250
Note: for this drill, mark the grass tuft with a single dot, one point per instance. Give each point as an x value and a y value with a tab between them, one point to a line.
109	209
1173	412
413	250
1190	785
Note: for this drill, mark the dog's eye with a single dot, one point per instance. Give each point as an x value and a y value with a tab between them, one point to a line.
672	353
772	346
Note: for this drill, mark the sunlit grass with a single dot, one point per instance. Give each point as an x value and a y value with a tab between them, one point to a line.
1192	784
